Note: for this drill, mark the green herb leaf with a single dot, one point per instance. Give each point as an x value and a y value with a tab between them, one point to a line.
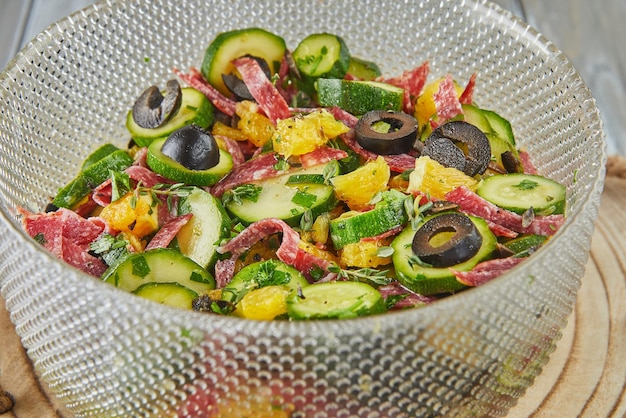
526	184
304	199
140	266
245	191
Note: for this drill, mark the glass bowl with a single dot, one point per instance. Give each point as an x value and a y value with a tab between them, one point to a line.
107	353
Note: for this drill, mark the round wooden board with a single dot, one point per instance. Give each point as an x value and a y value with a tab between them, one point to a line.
586	375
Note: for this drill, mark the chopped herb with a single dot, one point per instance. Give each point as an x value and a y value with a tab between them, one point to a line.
306	222
140	266
392	300
110	248
304	199
330	170
316	272
414	260
526	184
281	165
385	252
366	274
120	184
245	191
40	238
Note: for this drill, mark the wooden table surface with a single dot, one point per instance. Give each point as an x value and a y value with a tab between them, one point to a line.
587	373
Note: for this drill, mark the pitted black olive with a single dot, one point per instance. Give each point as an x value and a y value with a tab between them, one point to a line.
152	110
478	147
445	152
400	130
238	87
461	246
192	147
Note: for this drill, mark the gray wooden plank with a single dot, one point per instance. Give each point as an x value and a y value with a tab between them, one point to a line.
592	34
12	21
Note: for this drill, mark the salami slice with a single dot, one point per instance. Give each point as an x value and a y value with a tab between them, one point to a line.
168	231
529	167
258	168
67	235
194	79
396	162
486	271
467	97
233	149
446	101
322	155
412	81
262	89
409	299
470	203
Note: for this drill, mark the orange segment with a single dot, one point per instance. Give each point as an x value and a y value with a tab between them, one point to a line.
254	126
434	180
302	134
363	254
263	304
358	187
425	104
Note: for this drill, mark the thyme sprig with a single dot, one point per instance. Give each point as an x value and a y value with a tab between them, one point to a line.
366	274
178	190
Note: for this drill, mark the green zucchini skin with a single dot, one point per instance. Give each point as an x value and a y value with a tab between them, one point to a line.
173	170
195	109
519	192
160	265
387	214
335	300
430	280
171	294
228	46
90	177
359	97
363	69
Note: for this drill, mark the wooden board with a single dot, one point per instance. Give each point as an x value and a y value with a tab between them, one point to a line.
586	375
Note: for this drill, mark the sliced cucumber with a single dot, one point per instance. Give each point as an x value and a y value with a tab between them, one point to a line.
97	155
387	214
195	108
92	176
171	294
321	55
359	97
228	46
173	170
363	69
518	192
283	200
263	273
335	300
427	280
160	265
199	237
500	126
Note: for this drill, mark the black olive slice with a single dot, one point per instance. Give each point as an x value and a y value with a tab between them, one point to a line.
461	246
397	137
238	87
445	152
478	147
511	163
192	147
152	110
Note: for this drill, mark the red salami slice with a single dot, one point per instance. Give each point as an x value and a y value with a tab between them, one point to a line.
66	235
529	167
469	202
233	149
410	299
467	97
262	89
341	115
168	231
486	271
141	157
322	155
446	101
412	81
194	79
259	168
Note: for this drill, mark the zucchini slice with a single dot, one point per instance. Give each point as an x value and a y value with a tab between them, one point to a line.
387	214
90	177
171	294
199	238
335	300
261	274
427	280
280	198
195	108
363	69
173	170
518	192
228	46
321	55
160	265
359	97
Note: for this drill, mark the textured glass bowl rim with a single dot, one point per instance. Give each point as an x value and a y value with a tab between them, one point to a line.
514	25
